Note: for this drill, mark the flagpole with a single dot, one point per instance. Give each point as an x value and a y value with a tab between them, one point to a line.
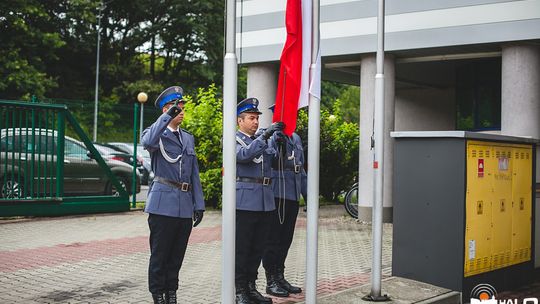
230	78
378	165
314	128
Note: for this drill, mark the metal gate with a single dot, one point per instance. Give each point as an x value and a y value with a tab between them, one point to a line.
45	171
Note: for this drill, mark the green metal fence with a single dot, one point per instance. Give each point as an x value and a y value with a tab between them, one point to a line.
45	172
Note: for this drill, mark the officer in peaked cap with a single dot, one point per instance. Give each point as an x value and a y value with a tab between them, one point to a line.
289	181
254	198
175	198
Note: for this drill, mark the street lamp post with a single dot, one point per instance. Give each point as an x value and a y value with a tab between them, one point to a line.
142	112
101	7
141	98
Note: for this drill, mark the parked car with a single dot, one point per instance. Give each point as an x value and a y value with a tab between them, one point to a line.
31	153
115	153
148	174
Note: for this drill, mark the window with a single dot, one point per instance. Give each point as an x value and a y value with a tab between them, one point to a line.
478	95
73	149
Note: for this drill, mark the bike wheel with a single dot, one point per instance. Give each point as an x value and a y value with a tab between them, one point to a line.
351	201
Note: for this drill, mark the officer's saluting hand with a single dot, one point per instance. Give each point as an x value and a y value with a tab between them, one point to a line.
174	111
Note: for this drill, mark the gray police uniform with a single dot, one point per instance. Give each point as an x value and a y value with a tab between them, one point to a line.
173	159
254	204
172	198
254	164
289	181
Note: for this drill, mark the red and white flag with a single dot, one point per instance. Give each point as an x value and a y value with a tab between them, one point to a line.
294	83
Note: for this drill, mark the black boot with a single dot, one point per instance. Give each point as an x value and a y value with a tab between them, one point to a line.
286	285
158	298
170	297
242	296
255	296
273	287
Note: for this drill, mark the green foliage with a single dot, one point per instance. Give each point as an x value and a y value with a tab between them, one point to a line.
204	119
49	47
348	95
338	150
29	45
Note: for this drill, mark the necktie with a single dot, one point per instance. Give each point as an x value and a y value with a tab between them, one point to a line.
253	137
177	134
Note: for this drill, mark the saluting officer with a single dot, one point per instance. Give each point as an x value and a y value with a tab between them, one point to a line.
175	197
254	199
289	180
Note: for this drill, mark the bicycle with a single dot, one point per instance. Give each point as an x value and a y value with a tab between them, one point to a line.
351	201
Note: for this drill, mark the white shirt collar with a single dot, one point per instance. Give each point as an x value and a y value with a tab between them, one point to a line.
245	133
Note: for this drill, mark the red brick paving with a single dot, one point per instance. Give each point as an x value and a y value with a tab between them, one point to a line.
15	260
328	286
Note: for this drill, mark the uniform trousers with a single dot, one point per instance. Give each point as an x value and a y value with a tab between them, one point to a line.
281	235
168	242
252	230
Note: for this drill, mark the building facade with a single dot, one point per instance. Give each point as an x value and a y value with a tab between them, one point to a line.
449	65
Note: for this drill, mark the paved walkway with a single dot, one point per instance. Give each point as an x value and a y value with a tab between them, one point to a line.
104	258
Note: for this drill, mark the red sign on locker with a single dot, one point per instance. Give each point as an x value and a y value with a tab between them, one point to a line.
480	167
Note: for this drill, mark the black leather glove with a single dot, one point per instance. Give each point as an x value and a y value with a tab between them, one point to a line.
277	126
197	217
174	111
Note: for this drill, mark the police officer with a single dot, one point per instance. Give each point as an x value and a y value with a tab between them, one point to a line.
254	199
289	180
175	198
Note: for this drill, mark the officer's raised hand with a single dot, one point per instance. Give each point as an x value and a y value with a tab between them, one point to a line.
277	126
174	110
197	217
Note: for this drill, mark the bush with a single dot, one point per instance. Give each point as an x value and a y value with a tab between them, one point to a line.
339	150
204	118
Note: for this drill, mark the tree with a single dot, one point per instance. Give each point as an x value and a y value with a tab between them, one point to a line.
29	45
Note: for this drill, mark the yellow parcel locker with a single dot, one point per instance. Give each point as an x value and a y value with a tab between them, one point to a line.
478	211
522	204
501	219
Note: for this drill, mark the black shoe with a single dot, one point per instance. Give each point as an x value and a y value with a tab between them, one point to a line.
286	285
256	296
242	296
170	297
158	298
273	287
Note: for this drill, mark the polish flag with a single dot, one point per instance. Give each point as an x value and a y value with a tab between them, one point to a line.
294	85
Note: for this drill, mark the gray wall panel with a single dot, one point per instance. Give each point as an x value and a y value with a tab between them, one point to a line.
352	10
440	37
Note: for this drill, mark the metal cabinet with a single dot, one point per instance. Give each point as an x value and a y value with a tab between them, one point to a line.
463	208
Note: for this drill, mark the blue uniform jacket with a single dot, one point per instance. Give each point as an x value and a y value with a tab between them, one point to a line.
249	163
287	183
164	199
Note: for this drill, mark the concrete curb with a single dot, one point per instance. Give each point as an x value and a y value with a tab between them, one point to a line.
452	297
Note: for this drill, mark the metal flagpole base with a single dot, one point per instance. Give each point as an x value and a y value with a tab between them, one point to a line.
373	298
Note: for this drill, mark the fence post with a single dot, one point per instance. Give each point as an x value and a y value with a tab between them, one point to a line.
60	153
135	125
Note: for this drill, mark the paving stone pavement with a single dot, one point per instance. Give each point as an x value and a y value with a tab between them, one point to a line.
104	258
